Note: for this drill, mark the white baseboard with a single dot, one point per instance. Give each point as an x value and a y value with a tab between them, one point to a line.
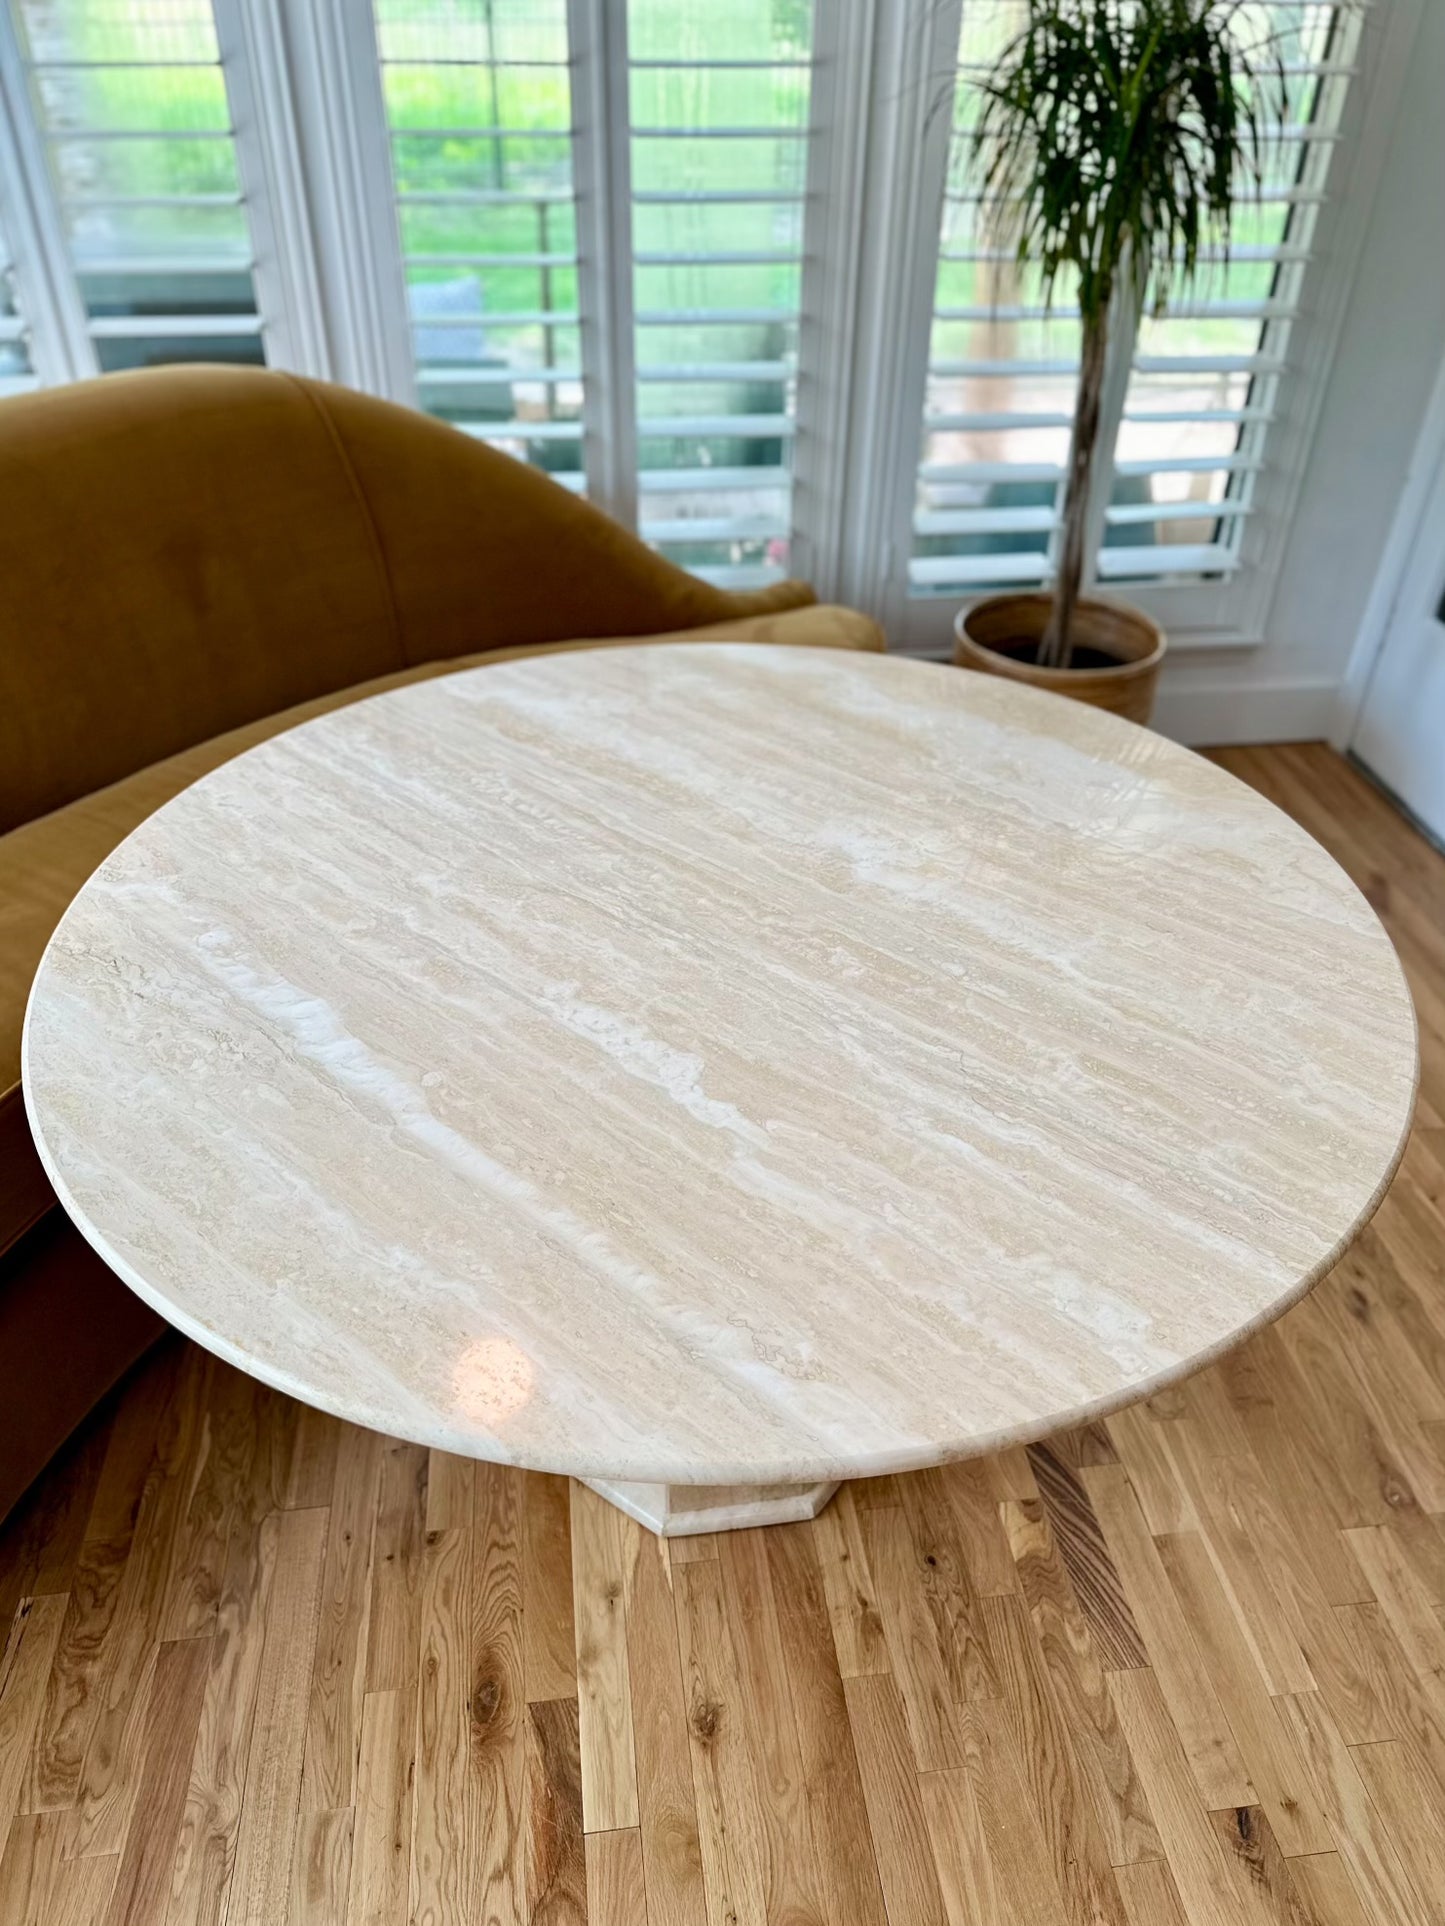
1225	714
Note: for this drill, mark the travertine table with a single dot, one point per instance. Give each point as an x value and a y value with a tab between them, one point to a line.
719	1067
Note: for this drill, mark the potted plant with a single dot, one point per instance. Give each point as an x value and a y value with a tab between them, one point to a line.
1114	139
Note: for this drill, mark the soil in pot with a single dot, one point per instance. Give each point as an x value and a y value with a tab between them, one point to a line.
1026	649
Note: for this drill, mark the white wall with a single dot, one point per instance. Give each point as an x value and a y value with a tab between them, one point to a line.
1390	348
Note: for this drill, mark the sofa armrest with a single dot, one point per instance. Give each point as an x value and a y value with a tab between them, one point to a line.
822	625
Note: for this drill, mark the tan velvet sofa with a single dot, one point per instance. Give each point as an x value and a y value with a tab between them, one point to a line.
194	559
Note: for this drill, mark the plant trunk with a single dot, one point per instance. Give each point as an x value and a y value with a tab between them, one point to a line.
1057	645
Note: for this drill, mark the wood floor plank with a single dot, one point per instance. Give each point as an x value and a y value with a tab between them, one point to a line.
44	1881
1362	1462
1386	1887
836	1812
604	1694
495	1824
1331	1895
321	1868
218	1481
1219	1489
1139	1442
858	1635
265	1843
1294	1446
173	1716
731	1836
897	1821
449	1485
942	1566
792	1884
41	1540
616	1888
1407	1605
1198	1717
1054	1768
556	1864
338	1680
1023	1865
692	1548
1151	1897
1275	1767
393	1626
549	1663
206	1846
917	1661
967	1886
30	1649
377	1893
1086	1558
667	1804
440	1873
1404	1793
972	1492
311	1469
125	1500
1210	1884
1067	1647
1245	1835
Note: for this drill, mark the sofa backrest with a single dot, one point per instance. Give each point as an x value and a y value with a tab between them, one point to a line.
187	549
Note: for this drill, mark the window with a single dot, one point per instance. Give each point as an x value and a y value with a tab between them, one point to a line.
1001	376
1207	379
718	263
719	102
132	104
479	114
1194	392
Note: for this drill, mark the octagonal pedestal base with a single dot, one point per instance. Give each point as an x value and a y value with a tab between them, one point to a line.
679	1511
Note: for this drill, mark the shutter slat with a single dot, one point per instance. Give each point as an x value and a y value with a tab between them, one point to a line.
1167	558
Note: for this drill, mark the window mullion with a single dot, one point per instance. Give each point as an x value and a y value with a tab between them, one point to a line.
602	177
843	40
61	348
909	121
255	63
345	160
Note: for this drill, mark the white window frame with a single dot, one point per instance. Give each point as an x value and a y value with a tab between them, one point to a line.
285	270
58	330
314	153
602	184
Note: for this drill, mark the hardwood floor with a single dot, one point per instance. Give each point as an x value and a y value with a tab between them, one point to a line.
1188	1665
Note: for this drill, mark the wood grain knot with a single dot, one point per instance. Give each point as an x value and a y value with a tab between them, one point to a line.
489	1701
706	1719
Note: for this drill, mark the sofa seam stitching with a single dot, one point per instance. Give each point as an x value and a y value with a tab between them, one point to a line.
318	404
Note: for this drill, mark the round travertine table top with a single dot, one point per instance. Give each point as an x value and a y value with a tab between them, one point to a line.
717	1063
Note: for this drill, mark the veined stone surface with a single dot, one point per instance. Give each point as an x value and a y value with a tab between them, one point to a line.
716	1064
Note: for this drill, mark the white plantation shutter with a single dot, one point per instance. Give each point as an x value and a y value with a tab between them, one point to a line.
1192	457
1001	379
1191	396
506	125
718	99
132	107
718	263
479	122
